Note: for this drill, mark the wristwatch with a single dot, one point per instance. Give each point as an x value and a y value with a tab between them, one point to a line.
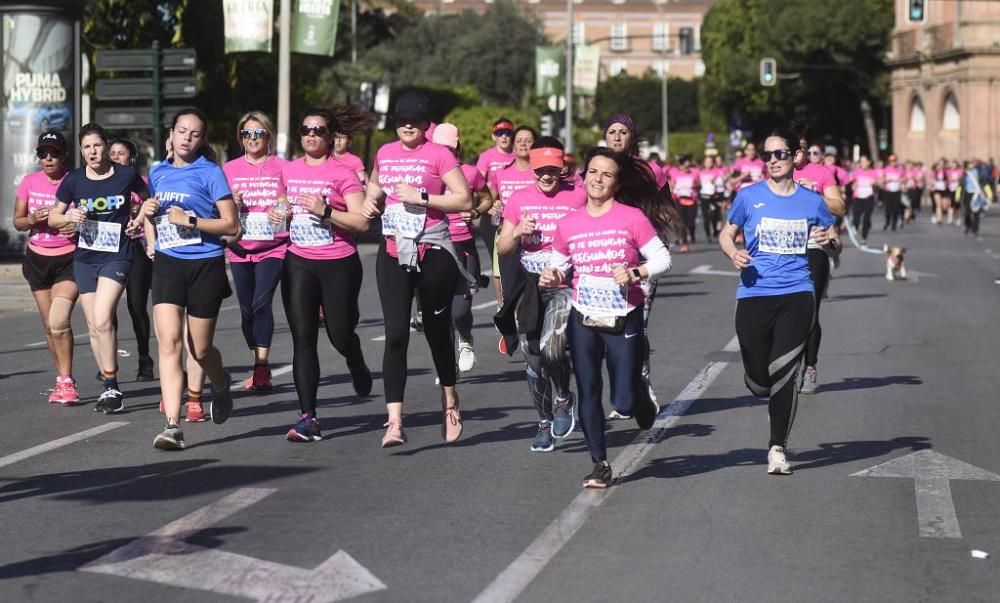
636	274
426	197
193	222
327	211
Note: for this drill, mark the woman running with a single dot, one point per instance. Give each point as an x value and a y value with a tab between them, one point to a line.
256	261
940	194
322	267
97	198
775	305
460	231
891	185
124	151
710	192
954	174
863	181
493	159
414	183
682	182
185	223
621	220
530	219
342	153
48	259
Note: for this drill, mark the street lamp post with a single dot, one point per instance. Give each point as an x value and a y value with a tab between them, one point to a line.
569	77
664	129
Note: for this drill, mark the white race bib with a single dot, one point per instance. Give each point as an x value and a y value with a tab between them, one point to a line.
783	237
308	230
864	191
403	220
100	236
257	226
892	186
536	262
171	235
600	296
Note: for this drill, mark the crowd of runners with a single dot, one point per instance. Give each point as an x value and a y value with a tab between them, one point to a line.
575	253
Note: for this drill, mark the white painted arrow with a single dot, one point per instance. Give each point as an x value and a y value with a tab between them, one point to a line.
707	269
931	473
164	557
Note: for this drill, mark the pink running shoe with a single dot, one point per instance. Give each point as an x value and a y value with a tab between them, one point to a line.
64	392
451	428
394	435
260	381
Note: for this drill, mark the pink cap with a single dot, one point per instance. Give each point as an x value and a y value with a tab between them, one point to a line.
445	134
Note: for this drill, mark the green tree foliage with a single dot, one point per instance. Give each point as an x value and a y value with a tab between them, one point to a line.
832	53
641	98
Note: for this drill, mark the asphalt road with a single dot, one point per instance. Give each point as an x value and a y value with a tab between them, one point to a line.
906	367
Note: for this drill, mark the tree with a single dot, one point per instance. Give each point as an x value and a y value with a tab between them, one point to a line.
641	98
830	52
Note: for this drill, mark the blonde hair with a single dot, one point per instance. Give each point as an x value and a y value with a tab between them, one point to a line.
261	118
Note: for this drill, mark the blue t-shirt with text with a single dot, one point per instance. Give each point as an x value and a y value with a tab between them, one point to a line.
194	188
108	200
776	230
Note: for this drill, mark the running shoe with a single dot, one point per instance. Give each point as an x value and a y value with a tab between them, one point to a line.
600	477
172	438
260	380
145	370
417	322
645	413
361	379
502	346
194	412
306	430
684	248
451	425
563	418
777	464
111	401
808	382
543	441
394	435
222	400
614	415
466	355
64	392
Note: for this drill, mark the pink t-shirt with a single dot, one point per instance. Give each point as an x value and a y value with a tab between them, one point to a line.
893	176
509	180
817	175
710	182
332	180
457	228
752	167
547	210
917	177
940	180
594	244
260	186
493	159
36	190
352	161
659	173
864	183
953	176
682	185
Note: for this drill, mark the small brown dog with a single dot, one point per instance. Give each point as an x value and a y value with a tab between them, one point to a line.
894	266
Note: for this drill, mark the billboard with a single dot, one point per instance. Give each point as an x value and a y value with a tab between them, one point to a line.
314	26
249	24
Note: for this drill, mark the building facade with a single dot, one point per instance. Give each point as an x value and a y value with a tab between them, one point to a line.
945	82
634	36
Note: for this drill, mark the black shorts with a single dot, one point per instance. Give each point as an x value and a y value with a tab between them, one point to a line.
198	286
44	271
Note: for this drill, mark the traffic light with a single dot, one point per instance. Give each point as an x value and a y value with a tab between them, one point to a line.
768	72
547	125
916	12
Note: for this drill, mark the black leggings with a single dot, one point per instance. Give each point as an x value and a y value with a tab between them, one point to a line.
893	209
488	231
306	286
689	214
255	285
971	217
140	279
819	268
861	215
461	304
435	284
772	331
710	216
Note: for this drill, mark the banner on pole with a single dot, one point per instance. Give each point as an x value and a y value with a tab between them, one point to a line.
249	24
549	66
314	26
587	62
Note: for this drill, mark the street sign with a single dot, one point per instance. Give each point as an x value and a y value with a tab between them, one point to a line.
556	102
172	59
122	118
142	88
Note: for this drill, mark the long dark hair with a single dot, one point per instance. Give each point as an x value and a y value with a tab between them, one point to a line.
204	149
637	187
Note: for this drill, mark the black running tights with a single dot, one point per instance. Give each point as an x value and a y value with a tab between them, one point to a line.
140	279
819	268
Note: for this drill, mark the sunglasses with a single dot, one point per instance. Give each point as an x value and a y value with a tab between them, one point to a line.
43	153
780	155
501	133
314	130
253	133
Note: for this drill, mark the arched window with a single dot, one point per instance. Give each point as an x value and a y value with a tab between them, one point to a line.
918	121
952	119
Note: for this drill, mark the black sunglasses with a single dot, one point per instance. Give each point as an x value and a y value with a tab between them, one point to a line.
500	133
253	133
780	154
43	153
314	130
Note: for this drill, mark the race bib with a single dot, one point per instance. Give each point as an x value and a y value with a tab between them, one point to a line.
600	297
784	237
257	226
308	230
171	235
939	185
892	186
100	236
864	192
536	262
403	220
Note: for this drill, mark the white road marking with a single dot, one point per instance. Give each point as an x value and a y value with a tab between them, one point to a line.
39	344
931	473
164	557
54	444
707	269
519	574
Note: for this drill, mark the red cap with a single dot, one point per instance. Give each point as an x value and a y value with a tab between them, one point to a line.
547	157
504	125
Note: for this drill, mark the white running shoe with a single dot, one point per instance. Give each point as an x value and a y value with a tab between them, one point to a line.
614	415
777	464
808	381
466	355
